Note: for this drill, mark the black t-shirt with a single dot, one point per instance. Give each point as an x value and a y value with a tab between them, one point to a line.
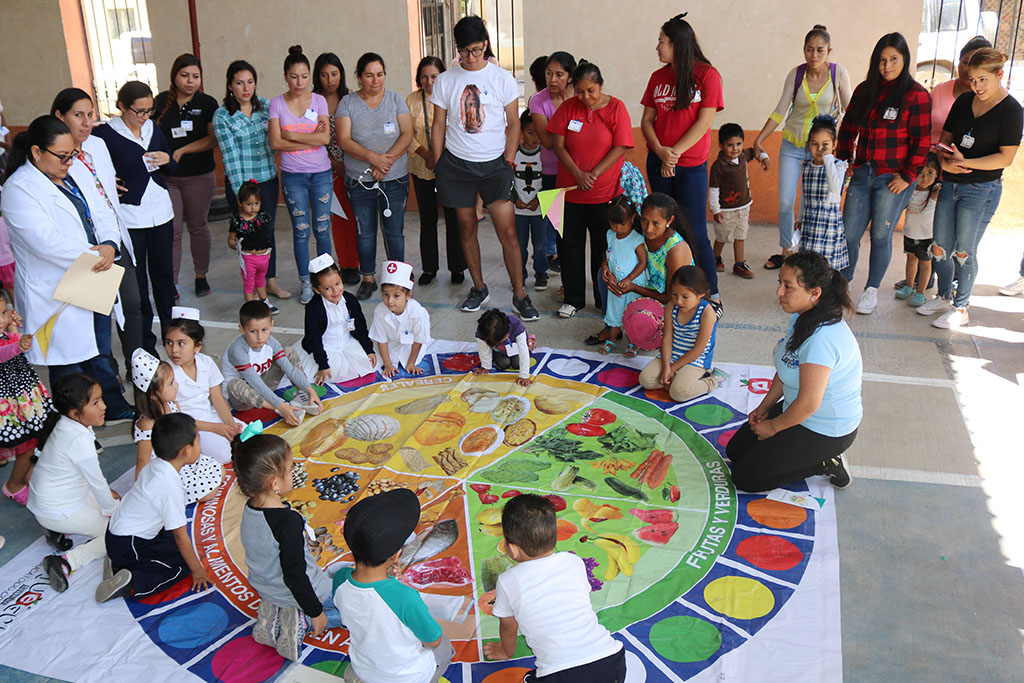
197	115
999	127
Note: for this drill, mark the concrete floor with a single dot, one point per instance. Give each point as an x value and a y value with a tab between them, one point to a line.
930	536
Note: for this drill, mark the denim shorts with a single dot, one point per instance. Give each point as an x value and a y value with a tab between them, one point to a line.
922	249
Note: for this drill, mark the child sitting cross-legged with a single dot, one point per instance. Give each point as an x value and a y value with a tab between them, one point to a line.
255	359
294	592
401	326
547	597
148	547
394	639
498	337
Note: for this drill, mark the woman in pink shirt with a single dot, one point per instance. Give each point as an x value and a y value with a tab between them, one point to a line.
944	94
300	129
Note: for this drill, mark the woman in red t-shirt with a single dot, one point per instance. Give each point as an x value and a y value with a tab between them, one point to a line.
680	104
592	132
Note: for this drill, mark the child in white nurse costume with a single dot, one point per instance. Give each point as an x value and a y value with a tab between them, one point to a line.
401	326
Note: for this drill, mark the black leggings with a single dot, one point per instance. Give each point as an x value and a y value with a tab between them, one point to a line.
791	455
426	198
579	220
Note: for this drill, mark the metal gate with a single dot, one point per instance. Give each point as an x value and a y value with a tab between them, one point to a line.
120	48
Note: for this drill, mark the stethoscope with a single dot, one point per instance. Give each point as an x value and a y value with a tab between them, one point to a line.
376	186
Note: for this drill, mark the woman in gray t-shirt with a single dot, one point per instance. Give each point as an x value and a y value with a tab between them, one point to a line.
374	129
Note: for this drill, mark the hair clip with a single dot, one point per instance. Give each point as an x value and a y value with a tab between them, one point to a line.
252	180
252	429
679	17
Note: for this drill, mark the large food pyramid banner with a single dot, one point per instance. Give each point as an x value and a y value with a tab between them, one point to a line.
692	577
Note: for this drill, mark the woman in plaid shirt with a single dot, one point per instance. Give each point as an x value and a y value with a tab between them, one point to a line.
885	136
241	129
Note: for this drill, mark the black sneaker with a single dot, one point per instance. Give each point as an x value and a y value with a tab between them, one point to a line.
838	475
426	278
527	312
98	445
59	541
458	278
57	568
126	415
350	276
366	290
476	299
117	586
202	286
541	283
553	265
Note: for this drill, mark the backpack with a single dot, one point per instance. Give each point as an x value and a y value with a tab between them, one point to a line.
802	69
633	185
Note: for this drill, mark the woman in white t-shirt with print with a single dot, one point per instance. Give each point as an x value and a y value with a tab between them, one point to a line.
300	129
473	102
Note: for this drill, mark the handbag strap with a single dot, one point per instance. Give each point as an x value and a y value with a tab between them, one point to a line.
426	122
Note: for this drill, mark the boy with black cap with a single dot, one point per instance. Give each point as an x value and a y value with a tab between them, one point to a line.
394	639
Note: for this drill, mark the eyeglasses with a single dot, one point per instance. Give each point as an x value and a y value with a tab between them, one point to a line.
476	52
65	159
142	112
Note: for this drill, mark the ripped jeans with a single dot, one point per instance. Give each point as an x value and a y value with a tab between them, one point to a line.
962	213
869	200
308	196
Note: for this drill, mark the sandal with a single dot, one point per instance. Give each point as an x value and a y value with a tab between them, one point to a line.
774	262
595	339
607	347
631	350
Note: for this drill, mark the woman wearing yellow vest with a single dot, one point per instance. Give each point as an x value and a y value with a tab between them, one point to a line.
816	87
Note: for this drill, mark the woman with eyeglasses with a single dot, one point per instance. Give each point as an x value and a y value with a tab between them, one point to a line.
52	220
140	152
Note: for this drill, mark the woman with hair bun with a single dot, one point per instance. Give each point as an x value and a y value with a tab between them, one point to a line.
299	128
811	413
980	139
816	87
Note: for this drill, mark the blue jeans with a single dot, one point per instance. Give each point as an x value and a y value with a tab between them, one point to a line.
99	367
962	213
791	159
869	200
537	228
368	204
689	187
308	195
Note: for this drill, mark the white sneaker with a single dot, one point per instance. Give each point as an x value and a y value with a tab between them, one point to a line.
868	301
933	306
952	319
567	311
1014	288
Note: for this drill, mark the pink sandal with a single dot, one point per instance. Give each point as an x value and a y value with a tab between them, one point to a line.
21	497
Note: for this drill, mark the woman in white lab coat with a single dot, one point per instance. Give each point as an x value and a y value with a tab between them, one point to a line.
52	220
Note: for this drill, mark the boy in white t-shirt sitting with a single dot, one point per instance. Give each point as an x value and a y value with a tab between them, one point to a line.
254	359
547	596
394	639
147	542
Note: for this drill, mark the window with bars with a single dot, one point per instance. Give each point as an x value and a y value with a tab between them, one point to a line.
120	48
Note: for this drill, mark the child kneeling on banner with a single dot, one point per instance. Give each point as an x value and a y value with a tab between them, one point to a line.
336	346
148	547
503	342
688	341
256	359
546	595
401	326
294	592
395	639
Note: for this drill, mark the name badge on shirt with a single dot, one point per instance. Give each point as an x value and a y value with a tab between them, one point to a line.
266	125
351	324
575	126
310	114
967	141
179	132
186	125
390	128
696	96
405	337
890	113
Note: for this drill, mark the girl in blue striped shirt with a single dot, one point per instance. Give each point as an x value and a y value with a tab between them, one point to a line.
688	340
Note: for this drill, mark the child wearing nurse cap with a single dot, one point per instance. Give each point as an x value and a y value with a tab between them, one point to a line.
401	326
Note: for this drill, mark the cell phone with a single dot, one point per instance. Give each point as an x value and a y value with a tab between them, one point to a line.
944	147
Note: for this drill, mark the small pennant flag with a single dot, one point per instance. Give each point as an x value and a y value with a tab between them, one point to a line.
552	205
44	334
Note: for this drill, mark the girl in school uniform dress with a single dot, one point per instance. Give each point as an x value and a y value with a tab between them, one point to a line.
336	346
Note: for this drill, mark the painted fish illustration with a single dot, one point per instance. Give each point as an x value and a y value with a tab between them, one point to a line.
431	542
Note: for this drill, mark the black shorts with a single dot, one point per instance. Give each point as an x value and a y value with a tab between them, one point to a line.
610	669
922	249
459	181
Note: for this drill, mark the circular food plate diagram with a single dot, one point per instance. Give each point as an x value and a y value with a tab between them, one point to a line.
682	569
